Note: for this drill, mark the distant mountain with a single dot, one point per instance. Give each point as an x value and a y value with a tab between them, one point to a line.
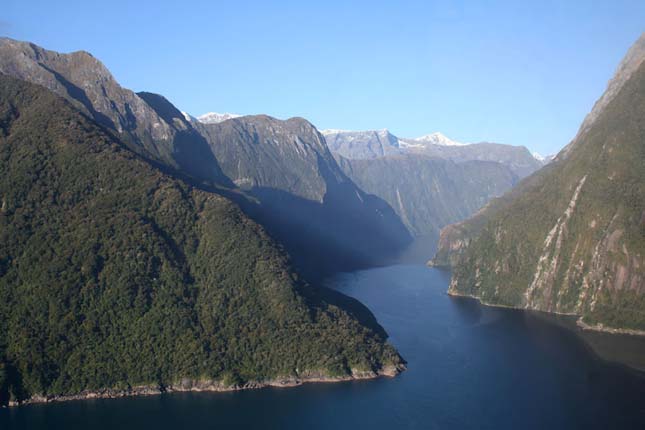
84	81
570	238
306	200
116	277
361	144
214	117
373	144
429	193
431	139
430	181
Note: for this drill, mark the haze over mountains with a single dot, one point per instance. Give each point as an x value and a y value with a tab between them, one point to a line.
430	181
571	237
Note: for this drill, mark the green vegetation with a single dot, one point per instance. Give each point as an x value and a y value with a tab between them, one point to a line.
594	266
114	274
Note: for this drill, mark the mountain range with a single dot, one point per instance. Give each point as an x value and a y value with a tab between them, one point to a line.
311	203
129	262
430	181
142	248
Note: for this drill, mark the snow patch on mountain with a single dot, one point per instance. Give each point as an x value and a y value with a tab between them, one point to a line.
188	117
544	159
215	117
436	138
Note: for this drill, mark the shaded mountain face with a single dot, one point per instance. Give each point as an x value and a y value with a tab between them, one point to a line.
114	274
570	238
91	88
306	201
429	193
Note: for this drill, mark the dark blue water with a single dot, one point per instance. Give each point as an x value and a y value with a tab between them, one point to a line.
470	367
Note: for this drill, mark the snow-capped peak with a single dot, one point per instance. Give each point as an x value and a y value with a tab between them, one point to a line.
437	138
188	117
430	139
214	117
328	131
544	159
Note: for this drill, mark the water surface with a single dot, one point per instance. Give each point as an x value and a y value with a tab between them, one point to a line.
470	367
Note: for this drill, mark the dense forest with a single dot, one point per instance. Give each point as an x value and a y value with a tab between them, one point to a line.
115	274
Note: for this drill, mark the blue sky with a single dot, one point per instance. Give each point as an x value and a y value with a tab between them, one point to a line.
509	72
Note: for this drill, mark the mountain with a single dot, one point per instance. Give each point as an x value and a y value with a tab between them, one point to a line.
305	199
361	144
432	139
214	117
115	276
91	88
302	199
372	144
429	193
570	238
430	181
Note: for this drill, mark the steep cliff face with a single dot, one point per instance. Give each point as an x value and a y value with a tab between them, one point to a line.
306	200
570	238
262	152
90	87
428	193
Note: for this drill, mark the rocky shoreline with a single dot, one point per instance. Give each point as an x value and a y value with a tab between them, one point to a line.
601	328
579	322
190	385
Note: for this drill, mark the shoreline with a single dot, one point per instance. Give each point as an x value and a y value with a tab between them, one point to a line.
585	332
189	385
602	329
579	321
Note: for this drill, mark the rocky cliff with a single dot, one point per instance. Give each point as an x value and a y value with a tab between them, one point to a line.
90	87
570	238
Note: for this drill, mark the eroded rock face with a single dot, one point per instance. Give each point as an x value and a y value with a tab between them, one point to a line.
147	123
88	84
570	238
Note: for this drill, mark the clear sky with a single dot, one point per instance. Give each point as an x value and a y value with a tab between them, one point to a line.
503	71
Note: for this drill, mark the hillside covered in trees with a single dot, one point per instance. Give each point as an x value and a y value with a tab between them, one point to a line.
114	274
